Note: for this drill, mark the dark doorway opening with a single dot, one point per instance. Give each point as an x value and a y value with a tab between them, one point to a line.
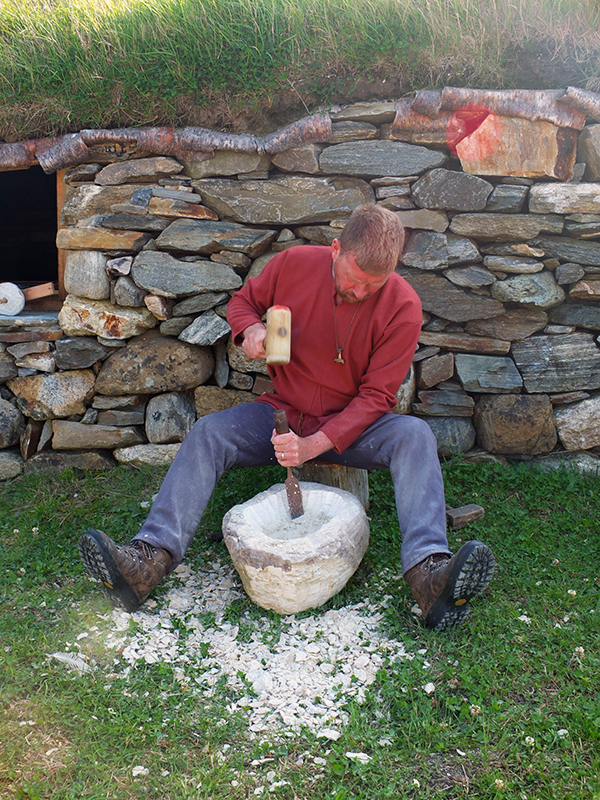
28	253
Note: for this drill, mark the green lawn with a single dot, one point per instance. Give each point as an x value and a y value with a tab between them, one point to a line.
514	713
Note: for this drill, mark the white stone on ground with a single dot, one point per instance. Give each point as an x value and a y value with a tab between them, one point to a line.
305	679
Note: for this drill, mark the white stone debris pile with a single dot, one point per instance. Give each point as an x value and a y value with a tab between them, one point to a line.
293	674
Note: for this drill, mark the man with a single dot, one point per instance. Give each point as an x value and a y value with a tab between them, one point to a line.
355	328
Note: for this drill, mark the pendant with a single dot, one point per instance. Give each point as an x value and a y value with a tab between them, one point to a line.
339	359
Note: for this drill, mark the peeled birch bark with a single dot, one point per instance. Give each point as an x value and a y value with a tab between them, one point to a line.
583	100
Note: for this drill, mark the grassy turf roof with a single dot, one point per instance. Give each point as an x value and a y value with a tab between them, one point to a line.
256	64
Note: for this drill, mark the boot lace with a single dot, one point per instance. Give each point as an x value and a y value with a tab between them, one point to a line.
140	548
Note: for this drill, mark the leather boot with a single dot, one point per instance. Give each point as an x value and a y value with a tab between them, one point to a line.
443	585
129	573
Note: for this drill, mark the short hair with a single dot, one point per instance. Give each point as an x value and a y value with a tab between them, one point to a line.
374	235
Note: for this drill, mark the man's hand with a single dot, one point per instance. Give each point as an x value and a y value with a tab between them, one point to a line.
254	341
292	450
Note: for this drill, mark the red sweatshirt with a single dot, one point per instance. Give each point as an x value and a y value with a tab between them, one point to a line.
342	400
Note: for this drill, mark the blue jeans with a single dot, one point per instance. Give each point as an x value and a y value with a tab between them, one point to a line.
241	437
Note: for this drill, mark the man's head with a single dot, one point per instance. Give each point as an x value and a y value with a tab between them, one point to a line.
366	253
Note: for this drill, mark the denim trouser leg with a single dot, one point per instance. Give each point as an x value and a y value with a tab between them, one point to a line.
240	436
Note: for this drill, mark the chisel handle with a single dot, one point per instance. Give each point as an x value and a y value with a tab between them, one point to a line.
281	423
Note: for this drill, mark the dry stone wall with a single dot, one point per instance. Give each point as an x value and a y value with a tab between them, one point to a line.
505	258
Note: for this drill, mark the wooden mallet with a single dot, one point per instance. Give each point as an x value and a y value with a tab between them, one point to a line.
279	335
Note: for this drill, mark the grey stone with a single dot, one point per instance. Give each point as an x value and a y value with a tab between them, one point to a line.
81	317
442	298
184	193
233	259
505	227
225	162
154	364
425	250
8	368
375	113
11	465
206	329
424	219
77	436
55	461
285	200
564	198
119	401
209	399
239	362
59	394
299	159
558	363
138	170
240	380
435	369
198	303
577	424
161	274
383	192
507	199
87	200
513	249
584	463
278	247
585	253
540	290
378	159
351	131
40	362
559	329
27	348
513	265
135	222
85	274
460	342
453	434
321	234
221	373
588	151
461	250
118	417
90	417
208	236
127	293
580	314
116	267
513	325
444	403
174	326
471	277
453	191
169	418
11	424
153	455
509	424
489	374
258	266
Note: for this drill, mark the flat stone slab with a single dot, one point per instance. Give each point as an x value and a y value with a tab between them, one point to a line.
505	227
11	465
487	374
442	298
452	191
463	343
539	289
68	435
564	198
552	364
444	403
570	250
583	316
290	199
138	170
152	455
57	461
208	236
512	326
453	434
162	274
379	158
82	317
59	394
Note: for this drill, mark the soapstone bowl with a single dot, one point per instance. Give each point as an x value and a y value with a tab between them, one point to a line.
290	565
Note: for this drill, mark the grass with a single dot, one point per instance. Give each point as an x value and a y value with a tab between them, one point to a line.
71	64
515	712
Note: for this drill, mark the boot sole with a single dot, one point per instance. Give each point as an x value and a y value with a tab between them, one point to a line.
468	578
99	563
